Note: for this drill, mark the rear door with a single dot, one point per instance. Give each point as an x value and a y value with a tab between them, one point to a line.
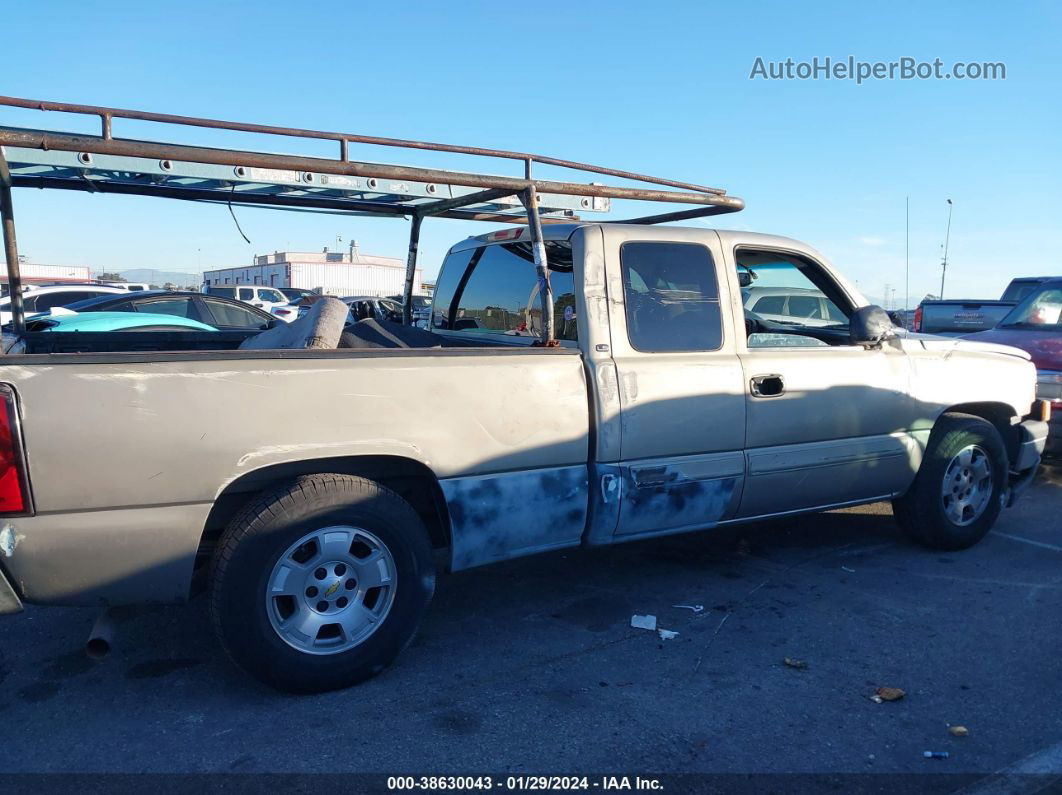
678	381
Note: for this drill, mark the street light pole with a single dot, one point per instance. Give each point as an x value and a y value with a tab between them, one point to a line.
944	264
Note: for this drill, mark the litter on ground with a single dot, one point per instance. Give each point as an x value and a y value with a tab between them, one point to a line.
792	662
643	622
667	634
694	608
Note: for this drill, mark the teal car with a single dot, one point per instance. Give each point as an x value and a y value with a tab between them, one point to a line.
65	320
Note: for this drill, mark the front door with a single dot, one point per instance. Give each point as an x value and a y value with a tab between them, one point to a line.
678	377
827	422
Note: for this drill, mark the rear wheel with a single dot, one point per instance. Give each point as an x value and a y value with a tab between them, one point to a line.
959	490
320	584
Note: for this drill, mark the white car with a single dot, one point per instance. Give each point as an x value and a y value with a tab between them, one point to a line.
130	287
41	299
262	296
789	305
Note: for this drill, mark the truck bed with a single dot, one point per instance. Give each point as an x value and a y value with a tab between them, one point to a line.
130	451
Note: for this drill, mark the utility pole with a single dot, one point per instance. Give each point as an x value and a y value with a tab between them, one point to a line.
907	258
944	263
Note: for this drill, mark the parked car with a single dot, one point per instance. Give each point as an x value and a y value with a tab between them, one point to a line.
254	294
295	293
298	308
1035	326
653	414
959	317
366	307
61	319
129	286
213	310
421	308
41	299
806	306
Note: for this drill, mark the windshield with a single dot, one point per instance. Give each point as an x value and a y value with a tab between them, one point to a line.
1039	310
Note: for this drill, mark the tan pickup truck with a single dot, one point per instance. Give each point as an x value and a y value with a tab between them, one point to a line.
307	489
580	384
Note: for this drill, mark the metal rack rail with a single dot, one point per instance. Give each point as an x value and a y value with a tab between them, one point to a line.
105	164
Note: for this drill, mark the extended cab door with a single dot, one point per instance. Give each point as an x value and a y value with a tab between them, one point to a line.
827	422
678	381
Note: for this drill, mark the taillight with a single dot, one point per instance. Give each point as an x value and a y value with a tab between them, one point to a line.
14	486
918	319
281	312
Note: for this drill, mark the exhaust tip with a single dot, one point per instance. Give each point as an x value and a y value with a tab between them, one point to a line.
97	648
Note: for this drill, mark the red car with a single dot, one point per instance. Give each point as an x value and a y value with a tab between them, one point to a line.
1035	326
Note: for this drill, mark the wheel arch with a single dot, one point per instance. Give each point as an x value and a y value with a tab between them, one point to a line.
412	480
1001	415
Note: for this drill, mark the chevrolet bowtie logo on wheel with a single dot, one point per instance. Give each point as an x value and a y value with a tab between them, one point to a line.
332	589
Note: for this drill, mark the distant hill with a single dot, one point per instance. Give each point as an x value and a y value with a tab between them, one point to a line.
153	276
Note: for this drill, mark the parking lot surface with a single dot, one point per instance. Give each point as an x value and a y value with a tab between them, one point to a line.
532	665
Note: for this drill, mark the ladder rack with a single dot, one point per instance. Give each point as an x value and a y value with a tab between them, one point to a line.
105	164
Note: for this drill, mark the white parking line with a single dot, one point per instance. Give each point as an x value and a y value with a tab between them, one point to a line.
1042	544
1034	773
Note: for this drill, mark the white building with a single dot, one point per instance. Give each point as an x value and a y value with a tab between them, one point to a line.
328	272
32	273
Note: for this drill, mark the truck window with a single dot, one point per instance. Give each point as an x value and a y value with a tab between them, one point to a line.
811	298
497	292
246	294
671	296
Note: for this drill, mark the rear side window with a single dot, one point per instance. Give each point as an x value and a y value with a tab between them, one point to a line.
246	294
671	296
498	292
770	305
181	307
224	292
234	315
48	300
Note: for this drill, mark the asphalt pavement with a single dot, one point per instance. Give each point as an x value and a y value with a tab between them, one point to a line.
532	666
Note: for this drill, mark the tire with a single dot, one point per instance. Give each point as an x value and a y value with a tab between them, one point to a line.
267	594
932	517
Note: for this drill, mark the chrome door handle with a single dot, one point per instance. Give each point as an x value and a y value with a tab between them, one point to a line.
771	385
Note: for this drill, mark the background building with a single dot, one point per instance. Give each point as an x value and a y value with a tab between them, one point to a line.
328	272
32	273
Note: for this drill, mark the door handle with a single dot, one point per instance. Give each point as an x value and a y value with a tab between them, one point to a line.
771	385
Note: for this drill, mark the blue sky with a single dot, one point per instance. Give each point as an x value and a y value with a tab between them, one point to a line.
658	88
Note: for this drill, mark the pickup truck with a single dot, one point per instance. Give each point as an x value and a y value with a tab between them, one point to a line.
310	492
957	317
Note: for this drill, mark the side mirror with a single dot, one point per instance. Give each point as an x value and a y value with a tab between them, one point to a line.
870	325
744	279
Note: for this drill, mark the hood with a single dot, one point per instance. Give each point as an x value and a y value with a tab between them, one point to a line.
1044	347
933	342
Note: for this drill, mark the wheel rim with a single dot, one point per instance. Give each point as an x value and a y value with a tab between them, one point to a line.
968	485
331	589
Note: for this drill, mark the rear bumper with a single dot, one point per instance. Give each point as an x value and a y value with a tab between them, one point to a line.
9	600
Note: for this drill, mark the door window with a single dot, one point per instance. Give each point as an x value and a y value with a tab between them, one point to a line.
246	294
671	296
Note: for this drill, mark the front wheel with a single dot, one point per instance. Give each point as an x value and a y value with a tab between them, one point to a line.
320	584
959	490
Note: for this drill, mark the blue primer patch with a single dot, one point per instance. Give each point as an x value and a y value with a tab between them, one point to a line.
672	506
497	517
